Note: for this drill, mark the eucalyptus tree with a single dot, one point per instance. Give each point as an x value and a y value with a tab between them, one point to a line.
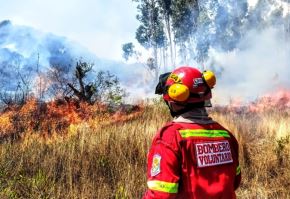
184	23
150	34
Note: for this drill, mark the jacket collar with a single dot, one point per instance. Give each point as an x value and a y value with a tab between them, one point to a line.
196	115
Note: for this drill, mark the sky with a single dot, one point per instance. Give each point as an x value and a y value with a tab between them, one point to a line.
94	24
101	26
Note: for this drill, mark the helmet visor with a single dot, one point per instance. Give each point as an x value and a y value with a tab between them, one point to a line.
161	88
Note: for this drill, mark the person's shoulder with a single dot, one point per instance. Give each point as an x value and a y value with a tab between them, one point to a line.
168	131
221	127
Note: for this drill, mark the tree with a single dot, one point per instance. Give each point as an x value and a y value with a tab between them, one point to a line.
150	34
219	26
11	93
84	92
166	11
184	23
83	86
128	50
108	88
195	25
60	76
17	97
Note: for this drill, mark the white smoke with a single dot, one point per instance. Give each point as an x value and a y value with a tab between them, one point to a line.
29	52
247	47
245	43
260	61
260	64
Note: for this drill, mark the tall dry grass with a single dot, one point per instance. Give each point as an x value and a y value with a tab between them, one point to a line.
109	161
264	140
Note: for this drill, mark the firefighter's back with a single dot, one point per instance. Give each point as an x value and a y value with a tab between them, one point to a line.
209	161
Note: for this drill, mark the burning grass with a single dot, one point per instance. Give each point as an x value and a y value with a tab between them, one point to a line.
109	160
58	117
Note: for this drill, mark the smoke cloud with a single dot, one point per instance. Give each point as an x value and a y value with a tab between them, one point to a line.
248	48
259	65
25	50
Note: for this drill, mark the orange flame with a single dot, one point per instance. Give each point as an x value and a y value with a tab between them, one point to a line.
279	100
55	117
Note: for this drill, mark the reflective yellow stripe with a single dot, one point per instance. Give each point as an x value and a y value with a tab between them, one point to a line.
238	170
186	133
167	187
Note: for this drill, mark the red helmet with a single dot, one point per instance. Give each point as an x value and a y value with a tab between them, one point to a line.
188	85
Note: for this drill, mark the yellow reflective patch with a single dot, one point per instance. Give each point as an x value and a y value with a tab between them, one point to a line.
175	78
238	170
187	133
162	186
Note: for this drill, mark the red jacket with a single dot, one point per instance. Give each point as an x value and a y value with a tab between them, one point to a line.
189	161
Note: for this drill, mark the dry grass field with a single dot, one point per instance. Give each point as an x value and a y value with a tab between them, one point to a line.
103	156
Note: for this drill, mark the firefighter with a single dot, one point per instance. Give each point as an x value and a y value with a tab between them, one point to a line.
191	156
